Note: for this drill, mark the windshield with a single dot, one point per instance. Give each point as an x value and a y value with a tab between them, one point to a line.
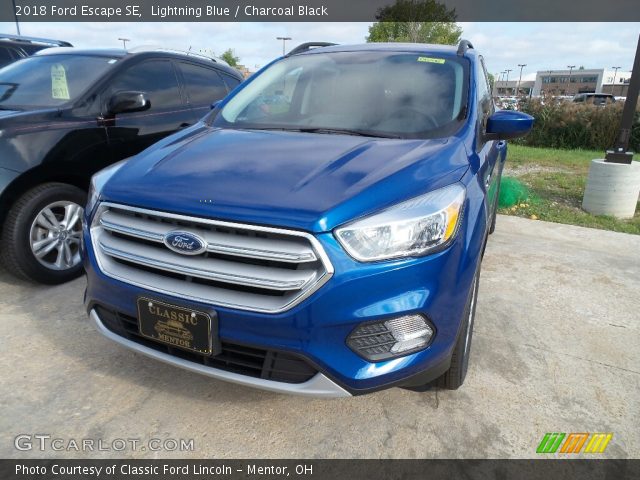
49	81
398	95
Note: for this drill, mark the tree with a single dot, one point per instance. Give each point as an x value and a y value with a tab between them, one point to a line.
492	80
417	21
230	58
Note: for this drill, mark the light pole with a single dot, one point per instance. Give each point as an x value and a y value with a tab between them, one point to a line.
570	67
500	80
124	42
521	65
284	41
615	74
16	17
507	72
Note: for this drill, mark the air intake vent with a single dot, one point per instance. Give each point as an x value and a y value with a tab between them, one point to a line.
253	362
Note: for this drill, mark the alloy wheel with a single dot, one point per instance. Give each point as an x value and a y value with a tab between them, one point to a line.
55	235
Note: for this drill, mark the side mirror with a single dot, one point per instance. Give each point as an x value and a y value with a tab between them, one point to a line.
125	102
215	104
506	124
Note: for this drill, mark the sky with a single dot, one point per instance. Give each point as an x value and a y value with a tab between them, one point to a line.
542	46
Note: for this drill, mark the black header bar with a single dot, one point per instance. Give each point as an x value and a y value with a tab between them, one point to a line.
539	469
318	10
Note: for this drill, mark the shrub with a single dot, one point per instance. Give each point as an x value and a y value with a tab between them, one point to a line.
576	125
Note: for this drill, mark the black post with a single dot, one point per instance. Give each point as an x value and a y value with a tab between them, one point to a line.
620	153
16	17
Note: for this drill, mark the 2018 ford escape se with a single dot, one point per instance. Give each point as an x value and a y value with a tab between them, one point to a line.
320	232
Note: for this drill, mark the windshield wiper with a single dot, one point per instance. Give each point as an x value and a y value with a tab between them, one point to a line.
327	130
348	131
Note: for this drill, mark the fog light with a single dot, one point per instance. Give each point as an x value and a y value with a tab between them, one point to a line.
382	340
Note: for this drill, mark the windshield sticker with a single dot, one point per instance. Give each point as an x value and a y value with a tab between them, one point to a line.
59	87
431	60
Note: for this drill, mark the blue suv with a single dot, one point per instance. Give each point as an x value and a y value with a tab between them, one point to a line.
319	232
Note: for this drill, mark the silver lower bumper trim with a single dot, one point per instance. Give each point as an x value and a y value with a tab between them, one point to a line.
318	386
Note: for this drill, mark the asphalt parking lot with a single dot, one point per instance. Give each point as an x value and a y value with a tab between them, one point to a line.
556	349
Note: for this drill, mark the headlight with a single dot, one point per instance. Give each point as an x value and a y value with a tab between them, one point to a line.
98	181
412	228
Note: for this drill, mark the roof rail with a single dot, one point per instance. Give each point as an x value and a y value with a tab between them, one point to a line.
463	46
150	48
304	47
47	41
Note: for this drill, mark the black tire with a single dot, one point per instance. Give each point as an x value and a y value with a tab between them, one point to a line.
16	238
453	378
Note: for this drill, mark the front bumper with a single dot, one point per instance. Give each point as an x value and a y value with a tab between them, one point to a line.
318	386
435	286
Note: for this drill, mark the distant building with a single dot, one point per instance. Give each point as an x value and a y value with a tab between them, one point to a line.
503	88
566	82
621	85
244	71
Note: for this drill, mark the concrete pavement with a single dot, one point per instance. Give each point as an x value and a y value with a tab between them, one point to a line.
556	349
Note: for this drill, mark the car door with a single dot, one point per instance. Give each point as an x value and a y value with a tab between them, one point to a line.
491	152
203	86
130	133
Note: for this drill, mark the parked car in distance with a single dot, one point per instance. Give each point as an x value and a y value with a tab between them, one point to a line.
67	113
15	47
599	99
320	232
507	103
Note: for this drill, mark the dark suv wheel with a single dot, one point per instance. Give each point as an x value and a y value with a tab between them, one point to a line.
42	234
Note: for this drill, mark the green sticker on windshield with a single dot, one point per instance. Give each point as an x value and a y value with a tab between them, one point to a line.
431	60
59	87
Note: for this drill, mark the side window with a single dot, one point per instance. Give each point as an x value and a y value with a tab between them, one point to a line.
485	102
157	78
230	81
203	85
5	56
484	90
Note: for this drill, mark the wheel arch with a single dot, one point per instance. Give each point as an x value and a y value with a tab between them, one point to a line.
38	175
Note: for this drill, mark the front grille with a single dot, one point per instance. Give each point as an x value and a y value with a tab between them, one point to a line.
247	267
250	361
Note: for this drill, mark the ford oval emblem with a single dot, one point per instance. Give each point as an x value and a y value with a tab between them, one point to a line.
185	243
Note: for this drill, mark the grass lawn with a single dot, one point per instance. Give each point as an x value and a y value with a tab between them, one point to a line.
556	180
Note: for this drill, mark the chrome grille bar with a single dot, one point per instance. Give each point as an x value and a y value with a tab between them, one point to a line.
244	266
212	269
251	247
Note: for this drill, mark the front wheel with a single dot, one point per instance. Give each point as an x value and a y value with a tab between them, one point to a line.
42	234
453	378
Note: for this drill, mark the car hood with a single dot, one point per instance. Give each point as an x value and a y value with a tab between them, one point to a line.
8	113
305	181
9	117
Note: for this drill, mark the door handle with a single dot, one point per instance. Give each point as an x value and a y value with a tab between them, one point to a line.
185	125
